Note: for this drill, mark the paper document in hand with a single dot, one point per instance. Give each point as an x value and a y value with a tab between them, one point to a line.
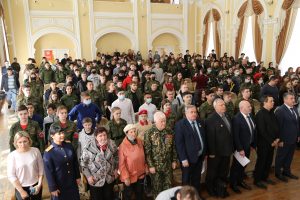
242	160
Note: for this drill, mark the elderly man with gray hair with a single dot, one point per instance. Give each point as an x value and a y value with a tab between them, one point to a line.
160	153
244	134
190	146
219	149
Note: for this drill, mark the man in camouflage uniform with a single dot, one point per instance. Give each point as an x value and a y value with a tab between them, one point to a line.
69	127
47	75
95	96
156	95
245	95
150	82
69	99
27	97
228	103
101	89
60	74
30	126
160	154
135	95
207	107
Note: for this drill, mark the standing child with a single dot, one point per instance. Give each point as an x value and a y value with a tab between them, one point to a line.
51	109
116	126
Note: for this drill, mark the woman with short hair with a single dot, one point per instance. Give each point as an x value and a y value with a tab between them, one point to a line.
25	168
99	162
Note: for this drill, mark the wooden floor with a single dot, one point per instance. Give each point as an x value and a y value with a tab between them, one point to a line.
280	191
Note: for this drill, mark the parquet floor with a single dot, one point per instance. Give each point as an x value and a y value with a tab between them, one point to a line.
280	191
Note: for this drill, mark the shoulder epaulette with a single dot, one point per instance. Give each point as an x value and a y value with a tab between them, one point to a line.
49	148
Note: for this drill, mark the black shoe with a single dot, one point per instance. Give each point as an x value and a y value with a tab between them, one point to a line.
8	106
236	189
245	185
269	181
281	177
260	185
291	176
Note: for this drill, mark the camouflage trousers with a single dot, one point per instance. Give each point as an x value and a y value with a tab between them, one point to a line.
161	181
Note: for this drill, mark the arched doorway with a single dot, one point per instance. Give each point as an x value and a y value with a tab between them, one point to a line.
166	43
112	42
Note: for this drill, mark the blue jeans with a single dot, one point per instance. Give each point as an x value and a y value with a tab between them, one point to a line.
11	97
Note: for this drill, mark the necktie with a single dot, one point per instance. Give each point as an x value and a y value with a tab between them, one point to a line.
293	113
226	122
197	134
251	125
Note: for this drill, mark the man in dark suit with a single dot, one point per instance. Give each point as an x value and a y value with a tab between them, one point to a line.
190	146
244	136
289	129
219	147
267	133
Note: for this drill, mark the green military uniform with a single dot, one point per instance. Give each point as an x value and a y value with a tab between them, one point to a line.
129	95
160	153
60	76
205	110
116	132
101	89
180	112
171	120
230	109
69	101
237	102
37	89
172	69
36	102
34	131
47	76
156	98
70	130
96	98
149	83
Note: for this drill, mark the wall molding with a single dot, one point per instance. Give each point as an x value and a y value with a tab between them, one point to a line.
28	27
116	15
166	16
40	13
136	24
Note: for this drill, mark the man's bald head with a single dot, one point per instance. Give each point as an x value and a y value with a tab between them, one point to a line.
245	107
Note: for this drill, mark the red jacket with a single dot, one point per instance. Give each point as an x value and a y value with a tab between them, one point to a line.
126	82
132	163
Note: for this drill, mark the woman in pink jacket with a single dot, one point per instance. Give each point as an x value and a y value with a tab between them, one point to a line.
132	164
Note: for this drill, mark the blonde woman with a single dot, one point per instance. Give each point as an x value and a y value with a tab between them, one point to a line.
25	168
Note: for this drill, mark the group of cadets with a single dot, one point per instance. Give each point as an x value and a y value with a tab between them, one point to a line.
170	82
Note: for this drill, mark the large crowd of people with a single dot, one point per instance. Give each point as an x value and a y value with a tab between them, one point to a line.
127	119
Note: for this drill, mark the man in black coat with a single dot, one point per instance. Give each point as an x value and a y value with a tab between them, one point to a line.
190	146
267	138
219	147
289	130
244	136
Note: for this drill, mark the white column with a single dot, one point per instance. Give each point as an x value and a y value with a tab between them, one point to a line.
27	18
92	28
149	25
185	26
77	29
136	24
